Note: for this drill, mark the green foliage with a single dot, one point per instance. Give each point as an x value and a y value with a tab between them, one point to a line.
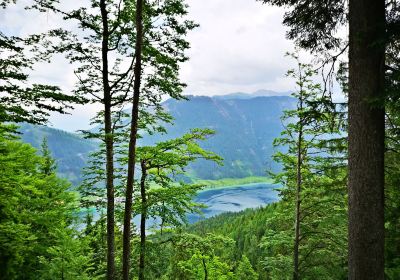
314	179
245	271
196	257
68	259
21	100
36	213
246	228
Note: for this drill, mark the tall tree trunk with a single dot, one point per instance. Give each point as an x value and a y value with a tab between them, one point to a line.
109	145
132	141
366	139
205	268
143	221
298	196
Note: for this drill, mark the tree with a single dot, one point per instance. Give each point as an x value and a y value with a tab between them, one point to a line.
314	27
68	259
245	271
103	32
313	186
109	81
132	153
20	99
366	139
37	215
168	18
171	202
196	257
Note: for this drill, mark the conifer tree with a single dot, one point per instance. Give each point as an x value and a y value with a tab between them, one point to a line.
37	217
373	31
313	187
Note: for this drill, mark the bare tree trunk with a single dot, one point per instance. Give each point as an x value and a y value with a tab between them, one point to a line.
298	197
366	139
132	141
109	145
143	221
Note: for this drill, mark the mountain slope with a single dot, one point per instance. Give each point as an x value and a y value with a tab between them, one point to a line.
69	149
245	129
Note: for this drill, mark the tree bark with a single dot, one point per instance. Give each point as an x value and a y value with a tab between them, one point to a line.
298	197
143	217
132	141
205	268
109	141
366	139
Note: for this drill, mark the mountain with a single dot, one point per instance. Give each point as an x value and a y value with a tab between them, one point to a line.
245	129
258	93
70	150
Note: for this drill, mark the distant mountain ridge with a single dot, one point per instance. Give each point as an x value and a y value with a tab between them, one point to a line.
245	129
69	149
258	93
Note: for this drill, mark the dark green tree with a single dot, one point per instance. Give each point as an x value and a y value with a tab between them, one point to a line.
313	188
245	271
37	217
373	30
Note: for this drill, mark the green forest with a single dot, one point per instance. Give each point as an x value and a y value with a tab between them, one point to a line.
121	209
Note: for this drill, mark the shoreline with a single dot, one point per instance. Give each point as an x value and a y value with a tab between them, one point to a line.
233	183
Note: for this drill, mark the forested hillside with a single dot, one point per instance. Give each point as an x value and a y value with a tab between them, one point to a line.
70	150
116	202
245	129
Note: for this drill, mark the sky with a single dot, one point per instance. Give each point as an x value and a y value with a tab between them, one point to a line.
240	46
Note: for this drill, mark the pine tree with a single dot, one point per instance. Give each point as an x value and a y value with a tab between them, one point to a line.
373	32
313	188
37	216
245	271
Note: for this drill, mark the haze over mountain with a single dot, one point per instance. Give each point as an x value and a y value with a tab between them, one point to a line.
245	128
258	93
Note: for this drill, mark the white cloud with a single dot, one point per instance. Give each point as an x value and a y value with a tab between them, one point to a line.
239	46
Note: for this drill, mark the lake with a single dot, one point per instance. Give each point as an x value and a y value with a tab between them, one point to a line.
227	199
235	199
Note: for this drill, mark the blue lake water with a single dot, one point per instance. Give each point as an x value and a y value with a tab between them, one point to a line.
235	199
227	199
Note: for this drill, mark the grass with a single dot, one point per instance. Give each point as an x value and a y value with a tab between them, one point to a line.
228	182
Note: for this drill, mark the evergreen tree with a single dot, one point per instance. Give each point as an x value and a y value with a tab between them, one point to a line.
36	216
313	188
373	30
245	271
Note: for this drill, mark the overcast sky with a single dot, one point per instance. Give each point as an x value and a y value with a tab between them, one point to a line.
239	46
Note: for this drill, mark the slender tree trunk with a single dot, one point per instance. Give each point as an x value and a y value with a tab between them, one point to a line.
205	269
366	139
143	217
298	198
132	141
109	145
